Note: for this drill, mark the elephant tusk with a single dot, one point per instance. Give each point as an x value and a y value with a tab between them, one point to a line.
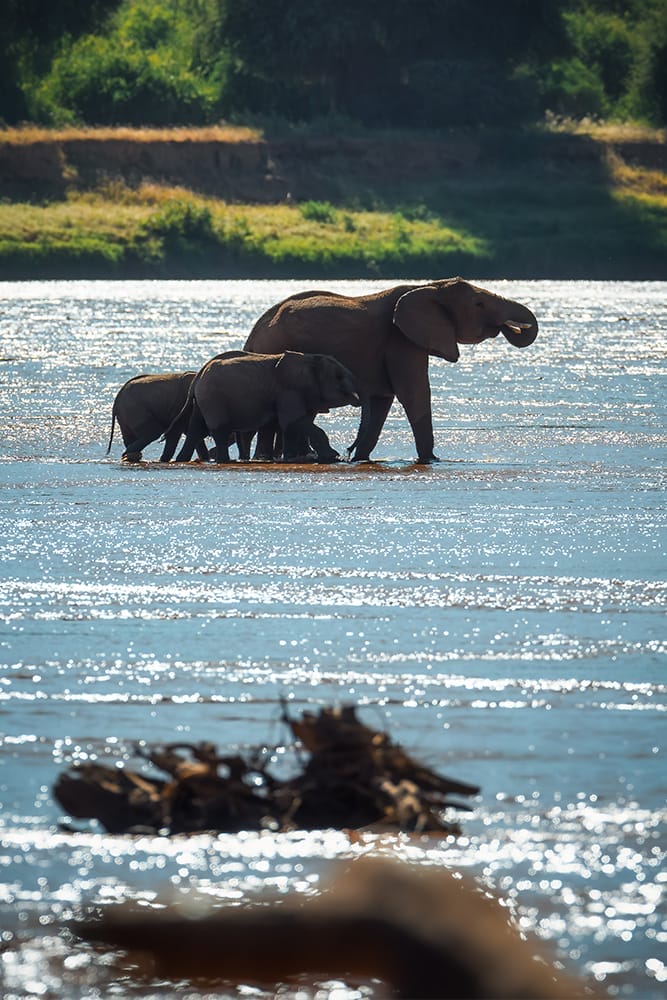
518	327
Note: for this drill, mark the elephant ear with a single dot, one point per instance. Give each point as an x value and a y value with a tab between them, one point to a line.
298	373
424	319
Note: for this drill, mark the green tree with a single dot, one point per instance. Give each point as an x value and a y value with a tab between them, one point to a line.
30	32
647	91
137	73
384	62
616	63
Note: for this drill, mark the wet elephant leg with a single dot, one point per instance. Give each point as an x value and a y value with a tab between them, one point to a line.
418	412
407	367
264	448
221	436
422	428
171	441
373	417
197	431
137	437
295	440
319	440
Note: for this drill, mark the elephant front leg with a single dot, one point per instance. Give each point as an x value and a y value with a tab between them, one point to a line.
264	448
203	453
408	370
373	416
319	440
295	437
170	444
422	428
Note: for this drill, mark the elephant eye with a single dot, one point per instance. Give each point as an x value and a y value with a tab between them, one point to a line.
480	305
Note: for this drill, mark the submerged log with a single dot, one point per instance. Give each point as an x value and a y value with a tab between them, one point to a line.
353	776
422	932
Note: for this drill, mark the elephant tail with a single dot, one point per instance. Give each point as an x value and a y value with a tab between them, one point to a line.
113	426
184	412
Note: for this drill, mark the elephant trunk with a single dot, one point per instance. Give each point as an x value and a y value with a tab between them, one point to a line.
521	328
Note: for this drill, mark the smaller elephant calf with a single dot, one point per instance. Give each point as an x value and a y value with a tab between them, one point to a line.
146	407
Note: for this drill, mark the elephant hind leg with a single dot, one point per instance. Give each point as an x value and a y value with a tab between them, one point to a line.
221	436
170	443
197	431
138	438
171	439
373	415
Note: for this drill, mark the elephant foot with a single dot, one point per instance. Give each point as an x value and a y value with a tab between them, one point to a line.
427	459
328	456
308	459
131	457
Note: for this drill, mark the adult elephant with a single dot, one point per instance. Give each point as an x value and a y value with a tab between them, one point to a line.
385	340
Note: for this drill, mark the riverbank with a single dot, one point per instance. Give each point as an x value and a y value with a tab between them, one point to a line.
208	203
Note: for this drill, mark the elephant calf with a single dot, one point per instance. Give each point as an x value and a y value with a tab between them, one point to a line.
146	407
245	393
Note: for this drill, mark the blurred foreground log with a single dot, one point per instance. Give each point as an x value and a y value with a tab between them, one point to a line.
353	777
422	931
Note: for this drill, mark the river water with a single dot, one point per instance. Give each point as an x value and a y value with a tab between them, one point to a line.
500	613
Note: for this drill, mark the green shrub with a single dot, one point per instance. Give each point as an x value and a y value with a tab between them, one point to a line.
574	89
603	41
181	219
647	92
318	211
139	73
97	80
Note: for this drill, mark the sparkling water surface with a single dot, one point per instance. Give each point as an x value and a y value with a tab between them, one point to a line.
501	614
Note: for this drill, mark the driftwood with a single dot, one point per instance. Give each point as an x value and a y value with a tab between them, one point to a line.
352	776
422	932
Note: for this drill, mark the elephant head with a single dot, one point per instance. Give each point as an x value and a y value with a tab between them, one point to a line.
443	314
321	381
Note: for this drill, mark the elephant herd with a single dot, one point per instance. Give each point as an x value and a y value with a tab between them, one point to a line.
310	353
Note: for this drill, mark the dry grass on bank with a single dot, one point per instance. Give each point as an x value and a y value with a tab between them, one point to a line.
606	131
27	134
638	182
601	131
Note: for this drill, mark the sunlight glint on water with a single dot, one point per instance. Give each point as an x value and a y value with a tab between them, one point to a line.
501	614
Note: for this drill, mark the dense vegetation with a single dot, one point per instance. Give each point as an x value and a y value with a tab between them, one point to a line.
508	76
433	64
